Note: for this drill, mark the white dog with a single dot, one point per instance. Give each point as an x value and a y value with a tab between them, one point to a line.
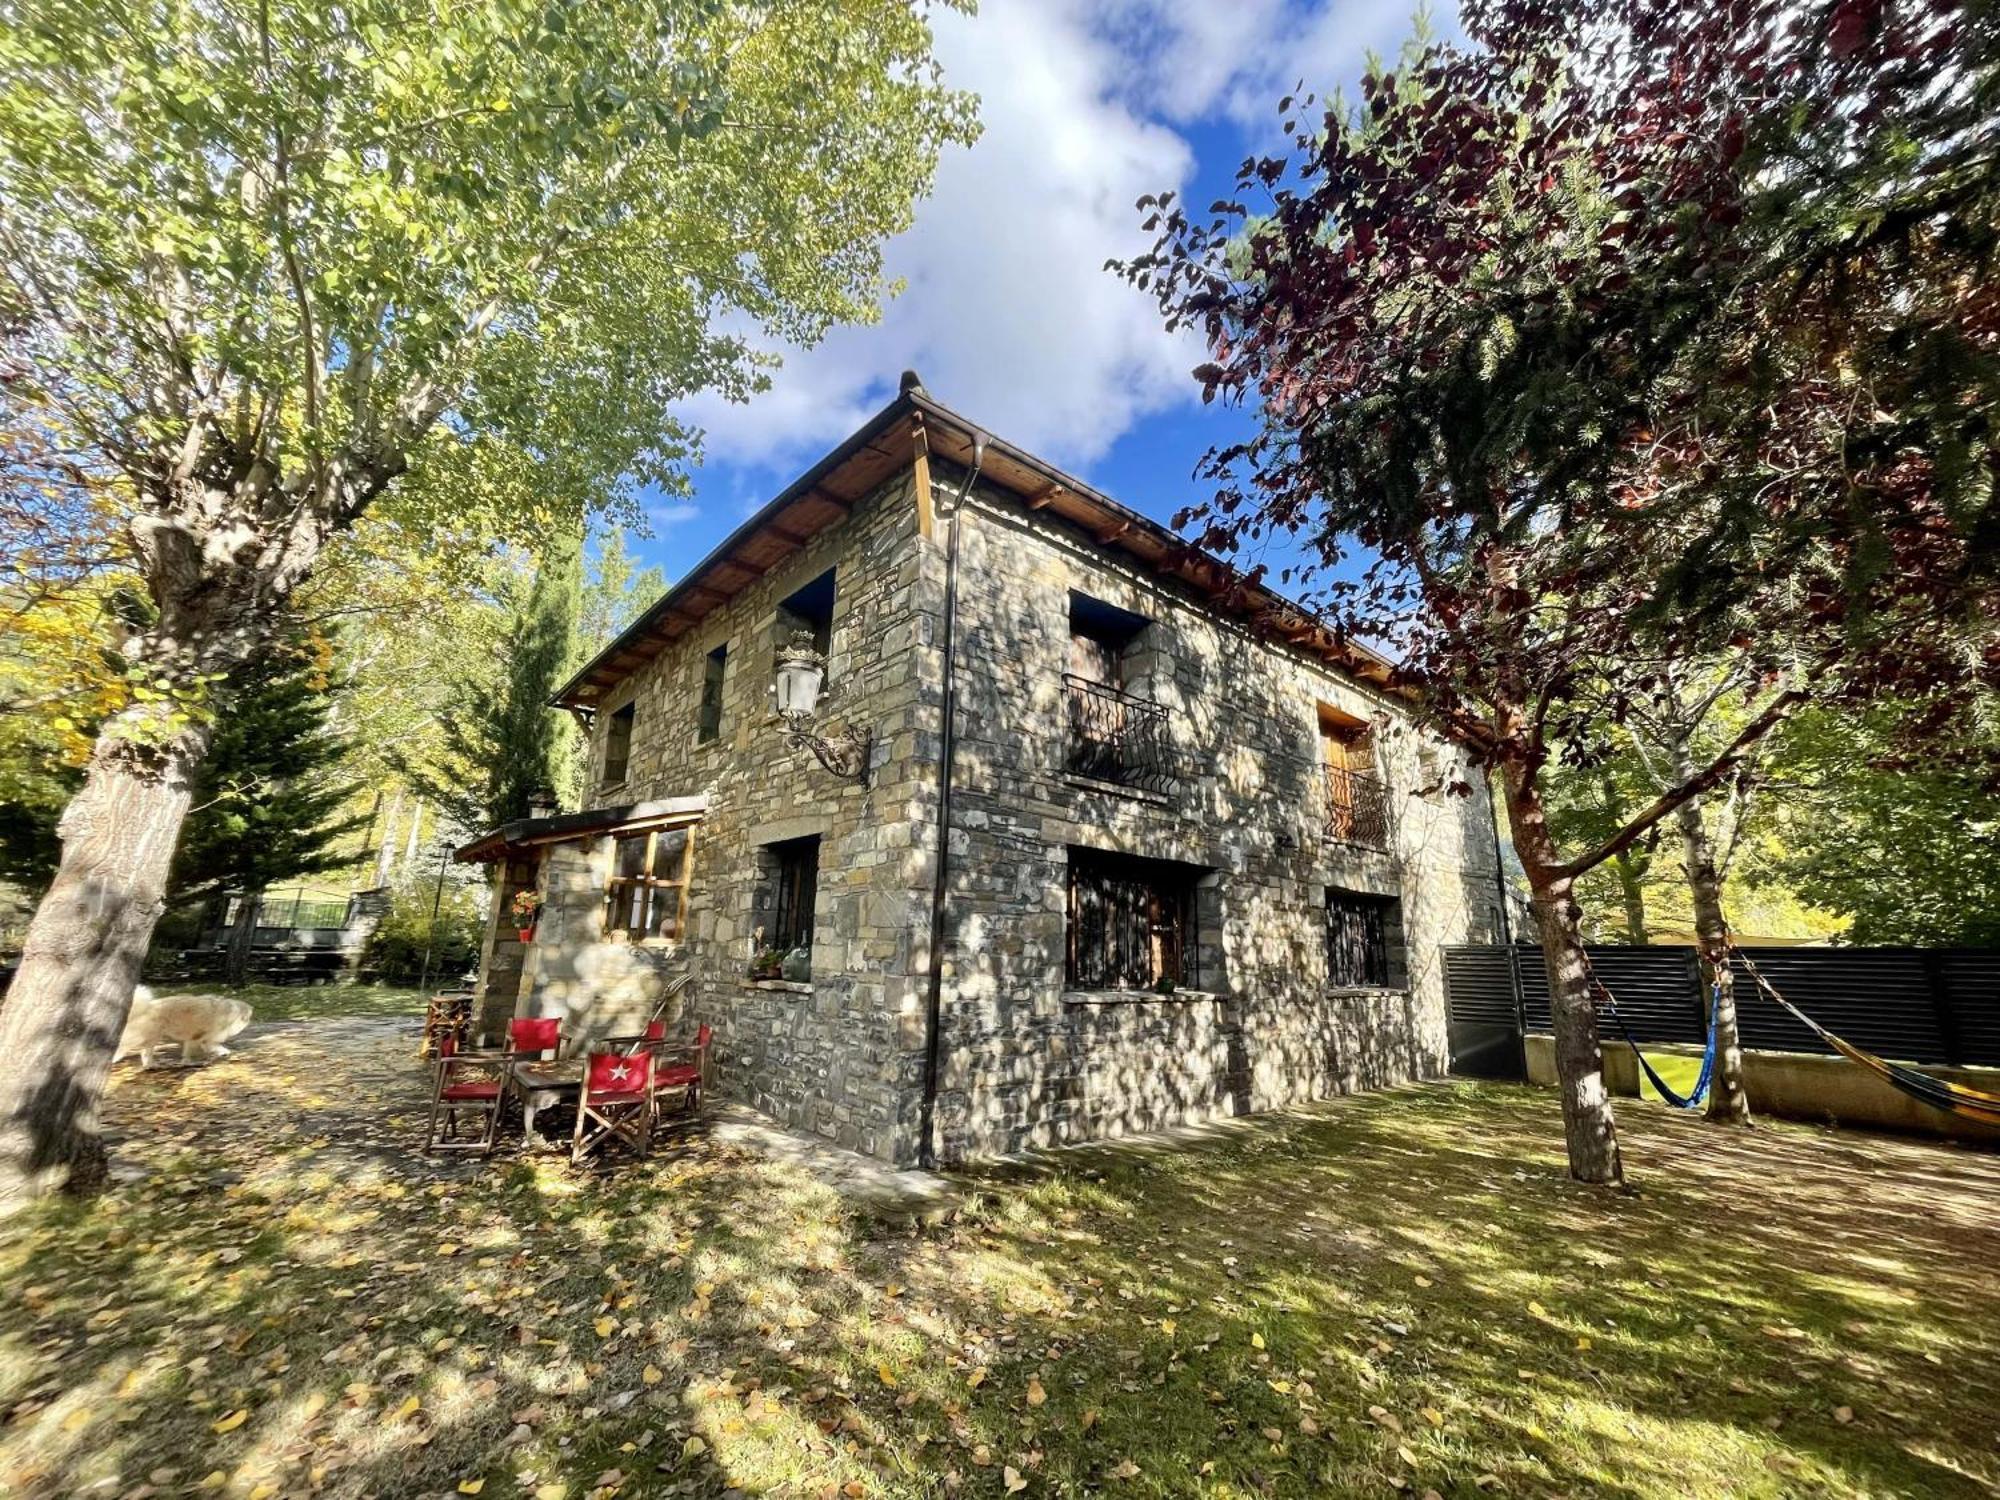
198	1024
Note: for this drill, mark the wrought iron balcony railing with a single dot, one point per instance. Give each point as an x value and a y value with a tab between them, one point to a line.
1357	807
1117	738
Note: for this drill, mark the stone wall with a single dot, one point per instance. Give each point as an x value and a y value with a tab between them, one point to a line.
1027	1062
843	1055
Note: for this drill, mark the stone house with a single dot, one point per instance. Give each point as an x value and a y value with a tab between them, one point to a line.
1198	862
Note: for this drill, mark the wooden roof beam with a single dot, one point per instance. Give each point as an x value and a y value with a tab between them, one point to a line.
1107	537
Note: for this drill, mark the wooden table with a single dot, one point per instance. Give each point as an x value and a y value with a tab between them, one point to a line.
545	1085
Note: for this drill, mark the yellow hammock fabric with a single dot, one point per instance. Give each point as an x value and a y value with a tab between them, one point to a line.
1953	1098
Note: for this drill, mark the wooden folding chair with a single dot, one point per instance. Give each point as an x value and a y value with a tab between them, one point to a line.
616	1104
466	1083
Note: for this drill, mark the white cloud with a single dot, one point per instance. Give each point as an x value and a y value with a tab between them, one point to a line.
1009	315
672	513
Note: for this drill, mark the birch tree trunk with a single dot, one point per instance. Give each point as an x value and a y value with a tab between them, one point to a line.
81	959
1632	892
1590	1131
1727	1100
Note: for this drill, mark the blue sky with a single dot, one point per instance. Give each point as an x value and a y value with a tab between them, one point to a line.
1008	314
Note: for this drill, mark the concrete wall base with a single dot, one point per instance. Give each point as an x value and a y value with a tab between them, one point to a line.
1800	1086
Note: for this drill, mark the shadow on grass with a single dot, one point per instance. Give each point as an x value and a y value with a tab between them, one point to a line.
282	1296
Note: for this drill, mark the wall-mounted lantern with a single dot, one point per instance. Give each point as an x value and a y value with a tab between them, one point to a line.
801	674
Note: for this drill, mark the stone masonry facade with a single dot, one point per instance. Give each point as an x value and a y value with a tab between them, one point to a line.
1024	1059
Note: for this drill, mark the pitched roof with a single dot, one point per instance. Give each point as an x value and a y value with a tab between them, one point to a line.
912	424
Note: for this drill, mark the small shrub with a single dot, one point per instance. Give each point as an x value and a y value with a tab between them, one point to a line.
395	950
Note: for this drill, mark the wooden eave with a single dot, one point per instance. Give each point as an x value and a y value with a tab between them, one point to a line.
911	430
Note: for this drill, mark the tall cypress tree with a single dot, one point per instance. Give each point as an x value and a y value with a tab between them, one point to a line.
504	743
268	798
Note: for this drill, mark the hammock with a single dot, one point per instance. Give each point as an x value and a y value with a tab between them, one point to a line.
1700	1090
1952	1098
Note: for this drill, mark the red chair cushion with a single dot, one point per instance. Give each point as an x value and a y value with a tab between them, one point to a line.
484	1088
535	1033
656	1031
678	1077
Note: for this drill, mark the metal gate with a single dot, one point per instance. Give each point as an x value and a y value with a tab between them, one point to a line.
1483	1014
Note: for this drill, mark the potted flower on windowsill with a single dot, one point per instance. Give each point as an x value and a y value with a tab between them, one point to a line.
765	963
527	908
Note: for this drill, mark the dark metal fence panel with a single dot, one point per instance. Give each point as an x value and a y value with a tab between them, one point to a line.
1970	981
1913	1004
1477	985
1877	998
1480	1018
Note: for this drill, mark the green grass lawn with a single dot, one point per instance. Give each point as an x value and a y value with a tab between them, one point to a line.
1397	1293
312	1002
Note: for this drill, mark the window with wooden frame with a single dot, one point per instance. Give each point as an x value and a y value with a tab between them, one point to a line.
1131	922
708	723
1357	940
794	889
618	742
647	894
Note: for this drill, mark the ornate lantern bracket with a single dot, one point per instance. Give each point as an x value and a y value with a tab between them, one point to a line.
801	673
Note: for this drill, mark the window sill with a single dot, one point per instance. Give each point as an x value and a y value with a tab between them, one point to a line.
1117	789
1135	997
1366	992
783	986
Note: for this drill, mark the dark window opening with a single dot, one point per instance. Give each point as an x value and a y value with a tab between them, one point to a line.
1100	638
709	724
646	896
1357	940
618	742
1131	922
809	609
795	886
1115	735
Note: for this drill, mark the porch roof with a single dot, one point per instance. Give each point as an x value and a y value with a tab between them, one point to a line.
557	828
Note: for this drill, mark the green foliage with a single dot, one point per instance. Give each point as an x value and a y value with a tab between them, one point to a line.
269	795
616	593
500	741
481	248
395	950
1908	847
268	799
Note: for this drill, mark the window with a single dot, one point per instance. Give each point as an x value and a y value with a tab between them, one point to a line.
618	742
1357	804
708	726
646	896
1101	638
1131	922
1116	733
809	609
1357	939
795	885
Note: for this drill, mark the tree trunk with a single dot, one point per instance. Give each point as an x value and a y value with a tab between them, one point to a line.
242	938
1589	1129
1727	1100
1632	891
385	856
83	952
